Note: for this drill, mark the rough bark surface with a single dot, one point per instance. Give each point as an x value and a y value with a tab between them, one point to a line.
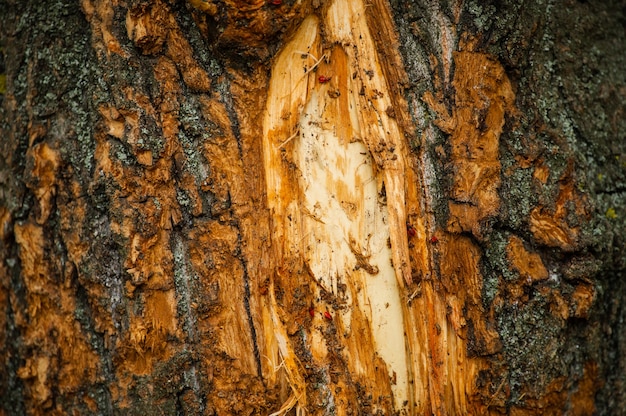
321	207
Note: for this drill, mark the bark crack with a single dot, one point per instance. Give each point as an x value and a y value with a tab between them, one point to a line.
246	302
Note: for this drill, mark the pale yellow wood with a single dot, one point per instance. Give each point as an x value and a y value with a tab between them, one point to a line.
335	166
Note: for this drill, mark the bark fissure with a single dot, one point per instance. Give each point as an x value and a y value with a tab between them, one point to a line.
249	312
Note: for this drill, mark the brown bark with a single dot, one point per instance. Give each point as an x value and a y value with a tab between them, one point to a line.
321	207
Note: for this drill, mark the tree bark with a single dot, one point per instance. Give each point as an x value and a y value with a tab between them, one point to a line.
312	207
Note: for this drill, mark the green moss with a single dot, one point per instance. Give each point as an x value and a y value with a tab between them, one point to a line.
533	344
495	255
610	213
483	14
65	71
183	198
195	130
517	198
186	283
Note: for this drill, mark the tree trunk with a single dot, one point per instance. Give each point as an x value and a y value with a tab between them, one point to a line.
312	207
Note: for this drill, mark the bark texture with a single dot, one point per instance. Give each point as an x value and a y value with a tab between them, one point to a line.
322	207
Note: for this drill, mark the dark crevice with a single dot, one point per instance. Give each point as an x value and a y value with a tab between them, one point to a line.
97	342
227	100
615	191
246	301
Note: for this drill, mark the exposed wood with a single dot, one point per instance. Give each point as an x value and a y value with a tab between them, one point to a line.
334	163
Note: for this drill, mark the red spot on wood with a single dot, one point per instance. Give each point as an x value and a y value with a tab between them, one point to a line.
275	2
323	79
410	230
312	311
434	239
328	316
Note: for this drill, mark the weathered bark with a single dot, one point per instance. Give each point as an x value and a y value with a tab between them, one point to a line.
331	207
